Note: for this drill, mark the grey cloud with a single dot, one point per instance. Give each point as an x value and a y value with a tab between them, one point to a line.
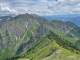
42	7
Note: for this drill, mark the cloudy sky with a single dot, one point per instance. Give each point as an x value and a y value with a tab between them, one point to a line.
40	7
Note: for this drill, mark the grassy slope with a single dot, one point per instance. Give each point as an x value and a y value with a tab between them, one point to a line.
48	49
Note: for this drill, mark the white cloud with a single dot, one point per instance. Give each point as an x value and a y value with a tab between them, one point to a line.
42	7
6	7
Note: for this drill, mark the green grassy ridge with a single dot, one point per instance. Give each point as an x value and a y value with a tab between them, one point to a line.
46	47
63	55
42	45
52	41
72	42
41	50
63	42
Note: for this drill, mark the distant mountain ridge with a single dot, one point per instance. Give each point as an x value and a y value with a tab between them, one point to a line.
75	18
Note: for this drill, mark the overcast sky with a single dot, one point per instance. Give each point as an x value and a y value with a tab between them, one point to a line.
40	7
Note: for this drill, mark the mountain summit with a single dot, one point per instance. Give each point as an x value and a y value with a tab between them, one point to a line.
35	38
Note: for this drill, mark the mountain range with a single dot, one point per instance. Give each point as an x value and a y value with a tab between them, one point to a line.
75	18
32	37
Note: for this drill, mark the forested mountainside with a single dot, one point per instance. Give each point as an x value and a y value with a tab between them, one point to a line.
31	37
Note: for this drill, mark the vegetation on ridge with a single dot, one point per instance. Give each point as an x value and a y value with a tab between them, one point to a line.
29	37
